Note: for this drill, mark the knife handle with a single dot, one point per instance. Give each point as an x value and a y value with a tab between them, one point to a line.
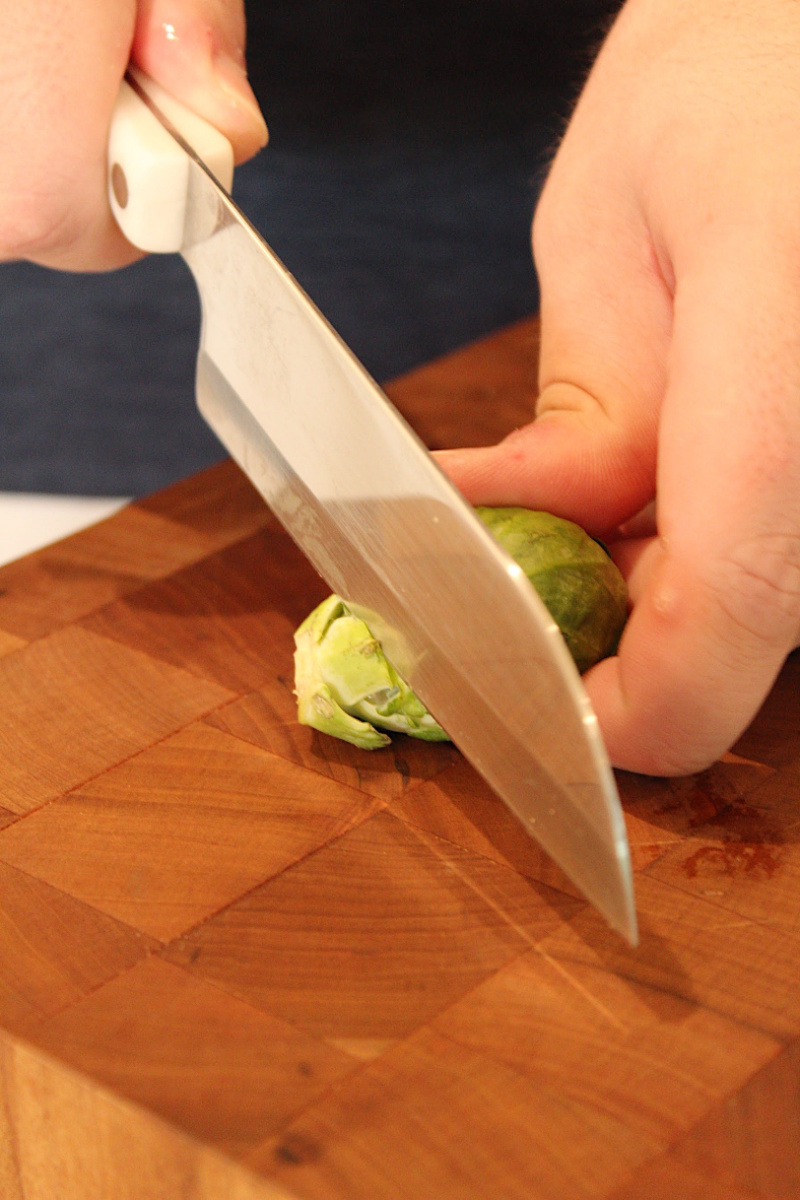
148	169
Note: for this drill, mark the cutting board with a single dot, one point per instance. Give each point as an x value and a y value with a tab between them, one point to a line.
244	961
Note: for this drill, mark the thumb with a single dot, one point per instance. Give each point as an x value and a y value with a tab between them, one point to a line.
195	49
605	317
575	460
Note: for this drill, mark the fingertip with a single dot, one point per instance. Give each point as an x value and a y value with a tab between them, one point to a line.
686	682
643	747
236	109
624	743
195	50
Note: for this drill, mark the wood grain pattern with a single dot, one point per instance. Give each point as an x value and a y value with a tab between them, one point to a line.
404	940
240	959
75	704
9	643
65	1135
147	540
224	1071
220	618
573	1080
55	949
137	842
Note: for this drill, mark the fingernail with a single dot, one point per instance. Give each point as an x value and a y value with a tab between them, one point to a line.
231	79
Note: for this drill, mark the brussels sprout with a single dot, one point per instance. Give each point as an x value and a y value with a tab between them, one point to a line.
578	582
346	687
342	674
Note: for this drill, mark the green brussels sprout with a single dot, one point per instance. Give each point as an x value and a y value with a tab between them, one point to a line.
346	687
578	582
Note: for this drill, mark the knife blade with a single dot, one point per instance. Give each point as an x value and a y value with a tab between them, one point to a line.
368	505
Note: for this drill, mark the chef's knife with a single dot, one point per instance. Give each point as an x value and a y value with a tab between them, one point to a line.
368	505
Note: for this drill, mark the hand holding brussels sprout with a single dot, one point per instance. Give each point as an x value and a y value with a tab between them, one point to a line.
667	241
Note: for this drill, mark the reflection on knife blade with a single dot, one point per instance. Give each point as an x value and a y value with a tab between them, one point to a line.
367	504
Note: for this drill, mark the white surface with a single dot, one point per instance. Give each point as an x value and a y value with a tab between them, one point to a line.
29	521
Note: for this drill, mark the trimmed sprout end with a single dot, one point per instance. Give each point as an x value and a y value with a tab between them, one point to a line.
346	686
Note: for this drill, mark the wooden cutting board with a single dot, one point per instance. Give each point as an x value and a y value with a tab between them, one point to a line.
240	960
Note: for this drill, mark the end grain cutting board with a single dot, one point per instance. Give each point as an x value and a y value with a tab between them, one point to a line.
239	960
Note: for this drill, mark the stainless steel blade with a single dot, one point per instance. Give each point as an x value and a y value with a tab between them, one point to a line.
369	507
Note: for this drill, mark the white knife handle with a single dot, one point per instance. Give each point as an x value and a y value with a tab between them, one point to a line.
148	171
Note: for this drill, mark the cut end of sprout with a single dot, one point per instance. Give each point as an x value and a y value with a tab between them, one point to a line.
346	687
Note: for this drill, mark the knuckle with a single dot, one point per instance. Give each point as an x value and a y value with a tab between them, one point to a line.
757	584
